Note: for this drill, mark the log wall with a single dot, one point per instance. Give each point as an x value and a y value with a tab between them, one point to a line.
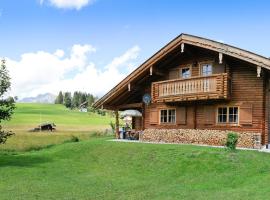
247	90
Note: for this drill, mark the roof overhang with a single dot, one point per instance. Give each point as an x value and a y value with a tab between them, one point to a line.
191	40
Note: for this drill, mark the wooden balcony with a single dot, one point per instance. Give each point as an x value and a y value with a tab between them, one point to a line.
215	86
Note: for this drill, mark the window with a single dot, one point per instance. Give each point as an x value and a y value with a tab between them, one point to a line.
185	72
167	116
222	115
228	115
207	69
163	116
233	115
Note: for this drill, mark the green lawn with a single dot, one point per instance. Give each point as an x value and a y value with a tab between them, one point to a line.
102	169
68	123
50	166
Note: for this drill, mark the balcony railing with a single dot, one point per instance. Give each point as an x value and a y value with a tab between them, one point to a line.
195	88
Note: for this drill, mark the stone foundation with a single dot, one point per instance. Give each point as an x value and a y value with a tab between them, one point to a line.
195	136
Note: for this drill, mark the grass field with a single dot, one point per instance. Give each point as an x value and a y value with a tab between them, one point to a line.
68	123
101	169
52	166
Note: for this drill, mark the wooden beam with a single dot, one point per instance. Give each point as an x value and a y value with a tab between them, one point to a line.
131	105
117	135
159	73
123	96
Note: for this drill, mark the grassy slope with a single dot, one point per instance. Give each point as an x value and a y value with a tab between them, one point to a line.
28	116
100	169
32	114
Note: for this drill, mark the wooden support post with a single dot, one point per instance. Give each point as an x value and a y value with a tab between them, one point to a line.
151	70
117	135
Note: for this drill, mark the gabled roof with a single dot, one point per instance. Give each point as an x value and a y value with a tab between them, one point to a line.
191	40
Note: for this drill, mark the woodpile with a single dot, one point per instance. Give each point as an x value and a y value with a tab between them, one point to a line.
195	136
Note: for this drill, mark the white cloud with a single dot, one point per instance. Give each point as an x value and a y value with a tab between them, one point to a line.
68	4
59	53
41	72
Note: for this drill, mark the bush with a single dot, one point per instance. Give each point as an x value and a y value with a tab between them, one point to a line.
74	139
91	109
232	139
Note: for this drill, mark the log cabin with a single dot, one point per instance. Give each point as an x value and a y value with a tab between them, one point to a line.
196	90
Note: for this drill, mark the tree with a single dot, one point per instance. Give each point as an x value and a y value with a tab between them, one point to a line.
83	98
67	99
75	99
60	98
7	105
90	100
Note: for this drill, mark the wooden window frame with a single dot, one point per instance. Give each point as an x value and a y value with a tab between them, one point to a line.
179	69
228	116
207	62
167	123
181	72
189	66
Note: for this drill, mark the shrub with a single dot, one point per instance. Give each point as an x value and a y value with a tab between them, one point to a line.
74	139
105	133
91	109
232	139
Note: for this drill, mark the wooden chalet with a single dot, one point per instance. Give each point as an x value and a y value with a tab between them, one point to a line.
199	87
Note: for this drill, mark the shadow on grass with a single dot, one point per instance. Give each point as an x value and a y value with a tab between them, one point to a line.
9	160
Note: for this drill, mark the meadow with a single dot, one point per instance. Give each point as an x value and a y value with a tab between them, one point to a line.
68	123
97	168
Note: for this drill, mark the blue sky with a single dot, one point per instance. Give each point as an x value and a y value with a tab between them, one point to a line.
113	27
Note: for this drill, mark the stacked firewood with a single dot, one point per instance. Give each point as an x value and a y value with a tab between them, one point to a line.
195	136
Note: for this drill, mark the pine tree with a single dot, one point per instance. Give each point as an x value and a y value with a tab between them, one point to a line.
60	98
67	99
7	105
90	100
75	100
83	98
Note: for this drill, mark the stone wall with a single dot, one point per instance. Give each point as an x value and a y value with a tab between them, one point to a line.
195	136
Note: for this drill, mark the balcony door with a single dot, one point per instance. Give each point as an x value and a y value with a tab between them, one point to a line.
206	70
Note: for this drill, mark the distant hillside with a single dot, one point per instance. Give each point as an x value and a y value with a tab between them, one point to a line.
41	98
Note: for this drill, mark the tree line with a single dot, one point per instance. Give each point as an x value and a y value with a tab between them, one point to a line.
74	101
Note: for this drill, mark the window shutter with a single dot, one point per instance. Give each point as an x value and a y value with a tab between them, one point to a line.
153	116
246	114
181	115
209	115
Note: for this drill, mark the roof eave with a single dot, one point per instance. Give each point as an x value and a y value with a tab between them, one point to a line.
192	40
